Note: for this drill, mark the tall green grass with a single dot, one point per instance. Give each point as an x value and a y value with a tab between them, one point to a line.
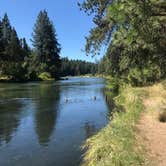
115	145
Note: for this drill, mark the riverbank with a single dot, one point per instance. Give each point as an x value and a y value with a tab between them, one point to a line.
42	77
119	142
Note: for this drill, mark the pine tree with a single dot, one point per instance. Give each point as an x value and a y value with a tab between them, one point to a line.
134	35
46	44
6	28
1	47
5	38
1	43
25	48
13	66
15	47
11	52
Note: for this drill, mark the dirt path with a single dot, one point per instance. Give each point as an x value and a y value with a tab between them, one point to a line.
151	131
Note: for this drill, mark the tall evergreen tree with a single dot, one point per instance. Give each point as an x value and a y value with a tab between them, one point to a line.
6	29
26	51
6	33
15	47
46	44
11	64
1	42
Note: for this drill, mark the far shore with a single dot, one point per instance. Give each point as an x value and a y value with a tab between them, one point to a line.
7	80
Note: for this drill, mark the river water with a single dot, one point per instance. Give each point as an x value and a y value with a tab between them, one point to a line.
45	124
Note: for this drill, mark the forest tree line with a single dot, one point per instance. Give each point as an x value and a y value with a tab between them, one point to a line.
134	32
19	62
77	67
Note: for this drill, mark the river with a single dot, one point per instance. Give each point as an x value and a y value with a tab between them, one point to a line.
45	123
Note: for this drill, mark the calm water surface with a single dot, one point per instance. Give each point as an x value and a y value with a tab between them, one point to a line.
44	124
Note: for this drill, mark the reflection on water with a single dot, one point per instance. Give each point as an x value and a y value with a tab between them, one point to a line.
9	120
46	112
39	127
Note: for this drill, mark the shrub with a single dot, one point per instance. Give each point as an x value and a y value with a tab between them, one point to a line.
135	76
144	76
45	76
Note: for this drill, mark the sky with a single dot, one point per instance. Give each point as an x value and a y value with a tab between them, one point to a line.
71	24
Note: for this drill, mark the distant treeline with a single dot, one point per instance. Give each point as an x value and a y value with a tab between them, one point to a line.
18	62
77	67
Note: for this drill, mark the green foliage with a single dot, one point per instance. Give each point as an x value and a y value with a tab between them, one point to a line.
45	76
46	45
77	67
14	70
104	66
12	54
18	62
134	32
115	145
135	76
112	85
146	75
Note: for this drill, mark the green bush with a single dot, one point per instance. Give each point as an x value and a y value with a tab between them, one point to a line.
134	76
144	76
112	84
45	76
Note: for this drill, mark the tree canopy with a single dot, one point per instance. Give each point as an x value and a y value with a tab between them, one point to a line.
77	67
46	44
134	32
12	53
19	62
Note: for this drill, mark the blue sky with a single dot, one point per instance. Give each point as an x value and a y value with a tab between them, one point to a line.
71	24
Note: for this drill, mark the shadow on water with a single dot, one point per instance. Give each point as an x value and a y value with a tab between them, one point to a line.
90	129
112	106
15	98
46	112
9	120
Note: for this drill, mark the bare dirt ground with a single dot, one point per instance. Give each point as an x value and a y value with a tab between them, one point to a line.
152	132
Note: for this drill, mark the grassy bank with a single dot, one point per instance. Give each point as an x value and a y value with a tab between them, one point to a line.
115	145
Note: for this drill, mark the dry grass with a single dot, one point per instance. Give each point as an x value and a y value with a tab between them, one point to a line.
155	103
151	131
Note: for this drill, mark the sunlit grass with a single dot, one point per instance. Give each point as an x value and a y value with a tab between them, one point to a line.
45	76
115	145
